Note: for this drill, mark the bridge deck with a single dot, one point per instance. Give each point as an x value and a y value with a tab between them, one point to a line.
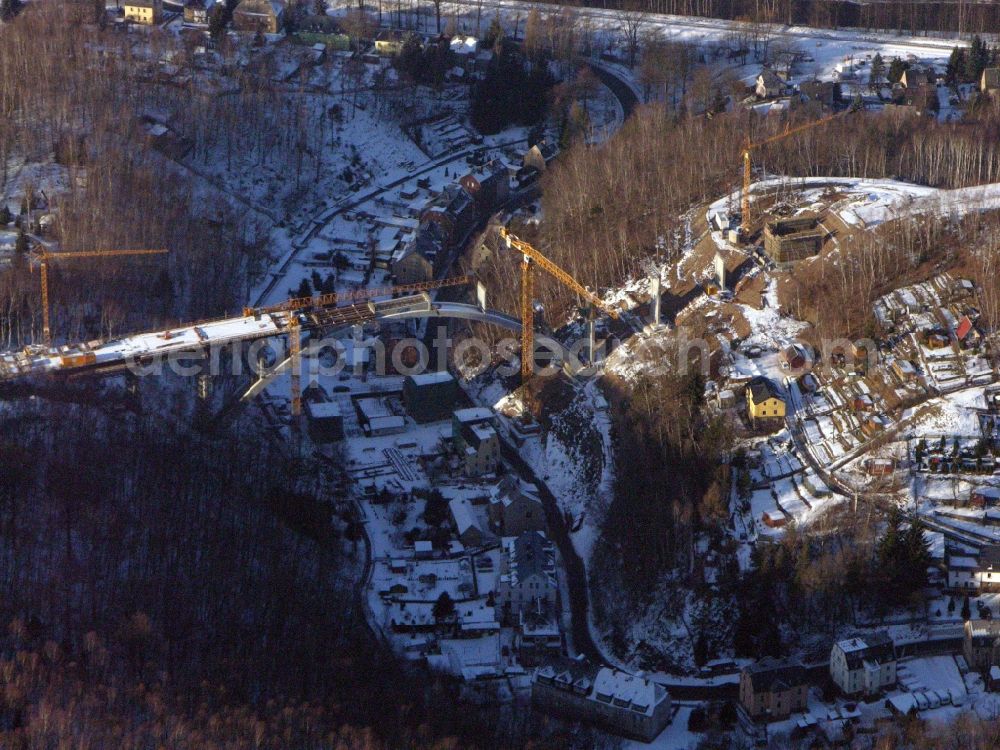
196	340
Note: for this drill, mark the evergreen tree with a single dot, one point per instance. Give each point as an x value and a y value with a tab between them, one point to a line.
877	73
896	69
435	509
978	59
966	609
304	290
444	607
955	70
5	216
21	245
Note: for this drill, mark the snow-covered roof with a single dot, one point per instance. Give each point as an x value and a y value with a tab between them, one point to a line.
473	414
432	378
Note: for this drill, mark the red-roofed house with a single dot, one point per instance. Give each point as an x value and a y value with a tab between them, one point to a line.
966	333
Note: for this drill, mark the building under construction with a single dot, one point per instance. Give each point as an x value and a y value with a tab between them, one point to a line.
795	238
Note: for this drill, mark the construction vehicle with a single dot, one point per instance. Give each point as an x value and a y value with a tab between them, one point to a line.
748	148
43	256
530	257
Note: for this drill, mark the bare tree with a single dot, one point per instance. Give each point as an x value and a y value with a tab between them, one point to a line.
632	19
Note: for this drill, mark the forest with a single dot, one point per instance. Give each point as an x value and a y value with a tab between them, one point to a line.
903	16
166	588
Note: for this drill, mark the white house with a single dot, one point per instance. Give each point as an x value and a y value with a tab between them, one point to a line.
966	572
864	665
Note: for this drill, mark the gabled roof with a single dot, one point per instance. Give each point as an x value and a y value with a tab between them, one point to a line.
770	79
761	389
964	328
775	674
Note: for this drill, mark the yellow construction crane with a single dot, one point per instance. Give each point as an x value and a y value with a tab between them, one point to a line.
749	147
530	257
44	256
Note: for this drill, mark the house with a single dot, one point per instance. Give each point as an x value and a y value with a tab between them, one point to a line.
792	357
981	645
455	212
513	510
826	93
197	12
795	238
984	497
490	189
146	12
467	527
616	701
527	573
410	266
475	439
967	334
904	370
915	78
864	665
538	156
429	396
988	572
962	569
326	423
376	418
389	42
764	401
772	689
989	82
769	85
264	16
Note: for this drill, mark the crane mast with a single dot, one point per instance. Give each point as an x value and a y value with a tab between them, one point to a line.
44	256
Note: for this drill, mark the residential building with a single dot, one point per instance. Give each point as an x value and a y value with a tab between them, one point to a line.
389	42
967	334
981	646
764	401
143	11
613	700
326	423
468	528
962	569
538	156
430	396
989	82
489	188
265	16
197	12
772	689
905	370
984	497
475	439
826	93
513	510
914	78
864	665
410	266
989	568
376	417
527	573
792	357
769	85
792	239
